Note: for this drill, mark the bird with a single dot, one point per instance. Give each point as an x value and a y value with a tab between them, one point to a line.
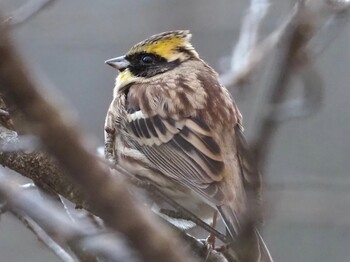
171	121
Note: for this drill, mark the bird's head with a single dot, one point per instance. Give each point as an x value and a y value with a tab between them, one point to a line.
155	55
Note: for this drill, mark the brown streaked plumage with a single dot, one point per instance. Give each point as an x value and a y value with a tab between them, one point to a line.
174	123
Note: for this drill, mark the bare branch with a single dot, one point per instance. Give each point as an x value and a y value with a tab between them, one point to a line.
48	194
301	42
291	56
242	53
42	169
51	219
45	238
336	16
26	12
248	59
310	101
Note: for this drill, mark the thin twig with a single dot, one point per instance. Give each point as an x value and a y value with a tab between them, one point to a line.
257	56
29	185
242	53
45	238
26	12
49	194
51	219
336	13
66	209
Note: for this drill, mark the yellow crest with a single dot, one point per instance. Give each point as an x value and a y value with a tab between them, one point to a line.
165	44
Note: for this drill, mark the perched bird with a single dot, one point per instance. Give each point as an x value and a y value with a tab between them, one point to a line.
171	121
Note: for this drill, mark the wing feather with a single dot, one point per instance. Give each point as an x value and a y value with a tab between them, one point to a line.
183	149
144	129
151	127
202	144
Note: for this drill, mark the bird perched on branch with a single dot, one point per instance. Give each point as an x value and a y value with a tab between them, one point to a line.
171	121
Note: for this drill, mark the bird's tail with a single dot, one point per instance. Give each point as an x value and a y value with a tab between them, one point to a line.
250	245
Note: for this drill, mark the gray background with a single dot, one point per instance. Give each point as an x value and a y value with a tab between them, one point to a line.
308	213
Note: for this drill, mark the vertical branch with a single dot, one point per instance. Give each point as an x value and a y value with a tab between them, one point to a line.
242	53
291	54
299	45
249	33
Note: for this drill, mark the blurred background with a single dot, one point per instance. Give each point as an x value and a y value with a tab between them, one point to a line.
307	179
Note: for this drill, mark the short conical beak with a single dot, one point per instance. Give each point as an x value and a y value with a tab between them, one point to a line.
119	63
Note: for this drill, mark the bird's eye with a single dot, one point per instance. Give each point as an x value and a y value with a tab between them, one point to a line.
147	59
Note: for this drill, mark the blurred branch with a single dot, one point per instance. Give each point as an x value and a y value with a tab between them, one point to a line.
26	12
42	216
48	194
290	55
108	197
242	54
312	41
248	54
295	56
45	238
309	102
58	226
336	16
37	166
3	208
